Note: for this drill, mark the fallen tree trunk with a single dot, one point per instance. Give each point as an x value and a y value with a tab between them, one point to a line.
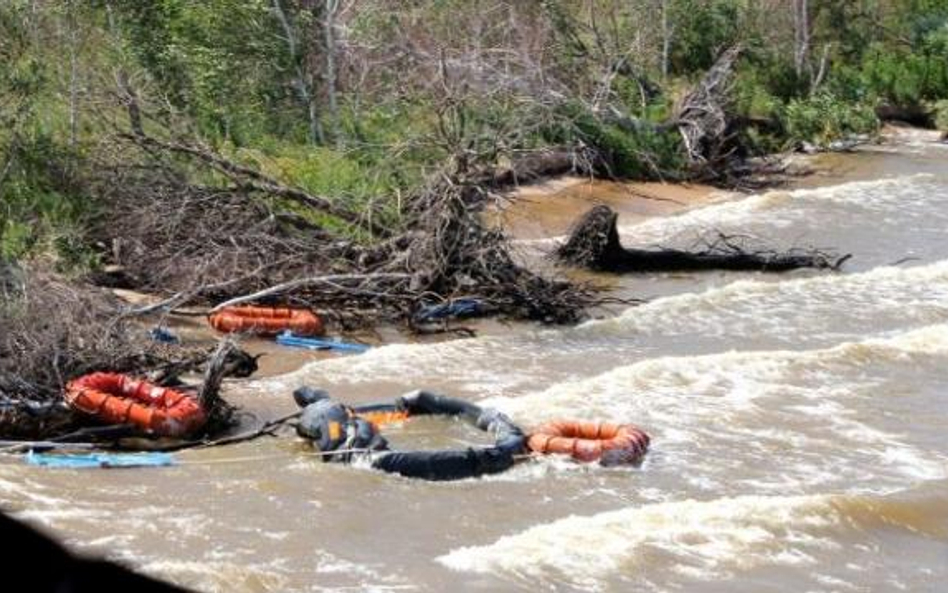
537	164
594	244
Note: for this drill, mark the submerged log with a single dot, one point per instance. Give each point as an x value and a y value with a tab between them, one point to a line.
594	244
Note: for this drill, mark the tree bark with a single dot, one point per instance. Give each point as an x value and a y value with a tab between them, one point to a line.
666	40
801	30
329	36
303	87
73	78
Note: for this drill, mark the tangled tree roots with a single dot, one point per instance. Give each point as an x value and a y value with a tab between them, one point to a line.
454	255
55	330
594	243
703	119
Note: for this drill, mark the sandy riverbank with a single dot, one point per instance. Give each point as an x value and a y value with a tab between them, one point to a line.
547	209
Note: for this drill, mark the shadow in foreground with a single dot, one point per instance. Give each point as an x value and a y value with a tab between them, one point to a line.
62	572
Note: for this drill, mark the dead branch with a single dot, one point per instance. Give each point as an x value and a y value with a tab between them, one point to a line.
55	330
220	414
330	280
249	178
702	116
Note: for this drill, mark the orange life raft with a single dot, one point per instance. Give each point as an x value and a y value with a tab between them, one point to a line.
587	441
266	321
118	399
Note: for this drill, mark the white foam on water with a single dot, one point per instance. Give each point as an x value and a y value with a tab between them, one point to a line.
236	568
484	366
712	413
782	209
795	310
669	545
699	540
804	312
776	209
220	577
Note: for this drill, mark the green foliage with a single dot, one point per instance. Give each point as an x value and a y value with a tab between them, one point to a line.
643	153
34	215
823	118
908	78
771	71
224	61
43	210
328	172
753	96
150	26
408	94
702	30
940	109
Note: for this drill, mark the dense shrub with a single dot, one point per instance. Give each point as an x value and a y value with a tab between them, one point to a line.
940	109
641	152
824	118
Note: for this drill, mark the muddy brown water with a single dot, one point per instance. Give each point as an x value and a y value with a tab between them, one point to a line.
798	427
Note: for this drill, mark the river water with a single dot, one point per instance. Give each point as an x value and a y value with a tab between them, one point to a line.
798	425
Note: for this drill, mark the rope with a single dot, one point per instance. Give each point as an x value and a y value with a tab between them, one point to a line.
268	457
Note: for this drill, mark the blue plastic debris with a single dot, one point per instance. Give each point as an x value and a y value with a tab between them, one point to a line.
100	460
287	338
163	335
465	307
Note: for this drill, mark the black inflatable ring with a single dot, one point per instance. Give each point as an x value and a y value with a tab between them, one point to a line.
455	464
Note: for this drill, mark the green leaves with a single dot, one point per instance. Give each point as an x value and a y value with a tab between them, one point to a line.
823	118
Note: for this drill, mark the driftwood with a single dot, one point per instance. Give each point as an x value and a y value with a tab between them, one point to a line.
594	243
220	414
336	281
214	247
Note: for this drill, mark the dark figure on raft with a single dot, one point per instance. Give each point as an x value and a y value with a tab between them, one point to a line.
332	426
348	431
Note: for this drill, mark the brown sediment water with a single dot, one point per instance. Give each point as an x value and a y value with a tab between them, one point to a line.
548	209
797	420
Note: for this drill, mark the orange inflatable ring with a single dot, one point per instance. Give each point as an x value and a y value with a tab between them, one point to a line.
587	441
118	399
266	321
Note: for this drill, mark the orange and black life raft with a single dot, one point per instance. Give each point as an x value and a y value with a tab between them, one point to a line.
114	398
